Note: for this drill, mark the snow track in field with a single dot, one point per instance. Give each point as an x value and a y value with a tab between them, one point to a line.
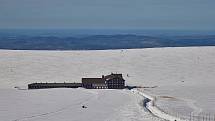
155	110
27	118
134	111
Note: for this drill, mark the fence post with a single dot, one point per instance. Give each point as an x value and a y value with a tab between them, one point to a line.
194	117
209	117
198	118
203	117
191	116
214	117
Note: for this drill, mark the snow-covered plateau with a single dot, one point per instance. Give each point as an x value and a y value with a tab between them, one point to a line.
182	79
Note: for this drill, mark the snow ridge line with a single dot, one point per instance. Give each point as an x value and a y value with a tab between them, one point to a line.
154	109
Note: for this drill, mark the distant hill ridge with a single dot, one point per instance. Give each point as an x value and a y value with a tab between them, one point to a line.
102	42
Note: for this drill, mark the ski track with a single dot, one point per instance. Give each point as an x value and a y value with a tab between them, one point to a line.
154	109
53	112
134	111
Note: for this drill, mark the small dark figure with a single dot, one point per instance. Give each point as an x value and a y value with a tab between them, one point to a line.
84	106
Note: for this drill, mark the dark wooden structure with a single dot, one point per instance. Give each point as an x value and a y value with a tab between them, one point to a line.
112	81
94	83
53	85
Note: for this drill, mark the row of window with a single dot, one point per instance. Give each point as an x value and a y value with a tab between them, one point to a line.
115	82
102	87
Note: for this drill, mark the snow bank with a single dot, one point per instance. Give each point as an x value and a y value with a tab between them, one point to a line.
154	109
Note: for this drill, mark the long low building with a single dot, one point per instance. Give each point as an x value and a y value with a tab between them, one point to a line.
53	85
112	81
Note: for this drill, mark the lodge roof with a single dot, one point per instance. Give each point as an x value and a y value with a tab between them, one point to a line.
103	79
94	80
112	76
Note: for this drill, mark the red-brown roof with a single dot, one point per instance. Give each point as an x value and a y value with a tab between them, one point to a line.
111	76
101	80
93	80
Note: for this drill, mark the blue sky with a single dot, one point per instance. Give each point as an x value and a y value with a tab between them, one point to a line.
108	14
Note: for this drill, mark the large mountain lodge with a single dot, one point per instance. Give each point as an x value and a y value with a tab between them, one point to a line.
112	81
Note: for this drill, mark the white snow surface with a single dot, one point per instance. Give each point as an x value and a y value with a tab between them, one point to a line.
184	76
66	105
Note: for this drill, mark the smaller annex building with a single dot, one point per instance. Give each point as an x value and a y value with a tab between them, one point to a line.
112	81
53	85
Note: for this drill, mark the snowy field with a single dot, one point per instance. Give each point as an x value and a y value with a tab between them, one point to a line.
66	105
184	80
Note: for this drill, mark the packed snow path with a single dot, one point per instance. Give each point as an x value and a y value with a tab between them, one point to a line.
154	109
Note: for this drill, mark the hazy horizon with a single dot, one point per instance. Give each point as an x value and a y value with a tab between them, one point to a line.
77	32
108	14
